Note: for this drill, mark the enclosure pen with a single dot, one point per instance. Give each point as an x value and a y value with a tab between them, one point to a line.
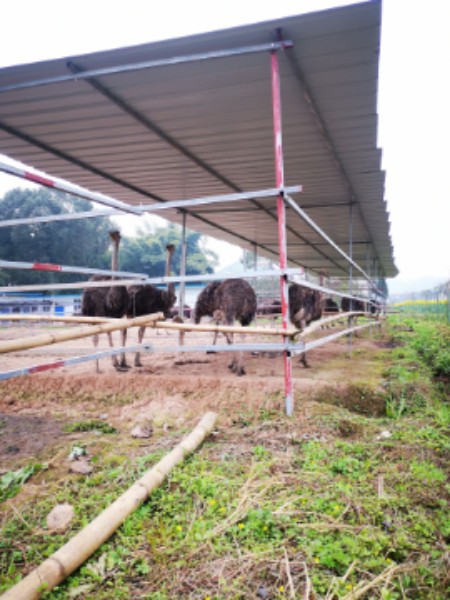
326	133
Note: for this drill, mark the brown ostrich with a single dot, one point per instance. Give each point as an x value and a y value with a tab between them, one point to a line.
305	306
349	304
374	307
108	302
330	306
148	299
226	302
204	306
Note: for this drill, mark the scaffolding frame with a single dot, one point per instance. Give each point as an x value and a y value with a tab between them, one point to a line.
281	193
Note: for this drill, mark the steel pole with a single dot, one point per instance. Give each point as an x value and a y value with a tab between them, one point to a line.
183	274
350	269
281	214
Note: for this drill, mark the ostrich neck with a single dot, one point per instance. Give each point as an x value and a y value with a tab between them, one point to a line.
170	286
115	257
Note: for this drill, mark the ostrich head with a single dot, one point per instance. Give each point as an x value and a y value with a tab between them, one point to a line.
115	237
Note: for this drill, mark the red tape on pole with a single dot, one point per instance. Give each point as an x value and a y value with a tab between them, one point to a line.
39	179
46	267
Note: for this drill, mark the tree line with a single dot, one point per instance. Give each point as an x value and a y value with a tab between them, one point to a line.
85	242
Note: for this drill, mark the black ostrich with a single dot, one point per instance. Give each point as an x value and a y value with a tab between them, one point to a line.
330	306
349	304
108	302
148	299
205	304
305	306
226	302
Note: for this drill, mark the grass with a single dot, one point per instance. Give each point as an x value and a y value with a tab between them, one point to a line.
340	503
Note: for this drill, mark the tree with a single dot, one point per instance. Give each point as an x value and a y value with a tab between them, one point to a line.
146	253
79	242
85	242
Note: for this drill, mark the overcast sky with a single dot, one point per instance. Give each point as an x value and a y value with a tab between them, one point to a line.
414	90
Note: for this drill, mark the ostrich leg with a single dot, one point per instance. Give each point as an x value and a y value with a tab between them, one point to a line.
115	362
237	364
137	358
123	365
97	362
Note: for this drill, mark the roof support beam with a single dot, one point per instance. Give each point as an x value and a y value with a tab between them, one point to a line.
309	99
75	161
140	210
154	128
330	242
68	188
175	60
299	245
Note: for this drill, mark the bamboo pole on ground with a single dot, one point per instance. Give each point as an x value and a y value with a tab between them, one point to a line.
64	336
70	556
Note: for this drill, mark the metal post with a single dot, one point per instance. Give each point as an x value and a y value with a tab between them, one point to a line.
350	253
350	269
183	265
281	214
182	273
368	253
371	295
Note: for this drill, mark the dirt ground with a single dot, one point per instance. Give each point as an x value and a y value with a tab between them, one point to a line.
170	388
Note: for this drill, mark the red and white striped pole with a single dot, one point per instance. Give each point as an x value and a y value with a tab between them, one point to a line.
68	188
38	266
281	213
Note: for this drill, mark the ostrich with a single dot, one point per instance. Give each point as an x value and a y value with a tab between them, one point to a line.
374	307
107	301
147	299
204	306
348	304
330	306
305	306
228	301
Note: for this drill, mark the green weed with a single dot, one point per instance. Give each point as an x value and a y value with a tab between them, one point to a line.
271	501
91	425
12	481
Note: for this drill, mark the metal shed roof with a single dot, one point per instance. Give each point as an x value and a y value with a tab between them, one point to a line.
204	127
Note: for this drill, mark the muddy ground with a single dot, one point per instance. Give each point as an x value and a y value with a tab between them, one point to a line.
170	389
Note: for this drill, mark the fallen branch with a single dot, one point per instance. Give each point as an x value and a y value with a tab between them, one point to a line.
68	558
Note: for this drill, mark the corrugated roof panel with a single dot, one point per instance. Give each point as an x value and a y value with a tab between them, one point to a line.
205	127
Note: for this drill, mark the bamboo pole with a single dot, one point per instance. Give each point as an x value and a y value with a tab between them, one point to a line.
105	325
227	329
70	556
64	336
338	317
158	324
55	318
